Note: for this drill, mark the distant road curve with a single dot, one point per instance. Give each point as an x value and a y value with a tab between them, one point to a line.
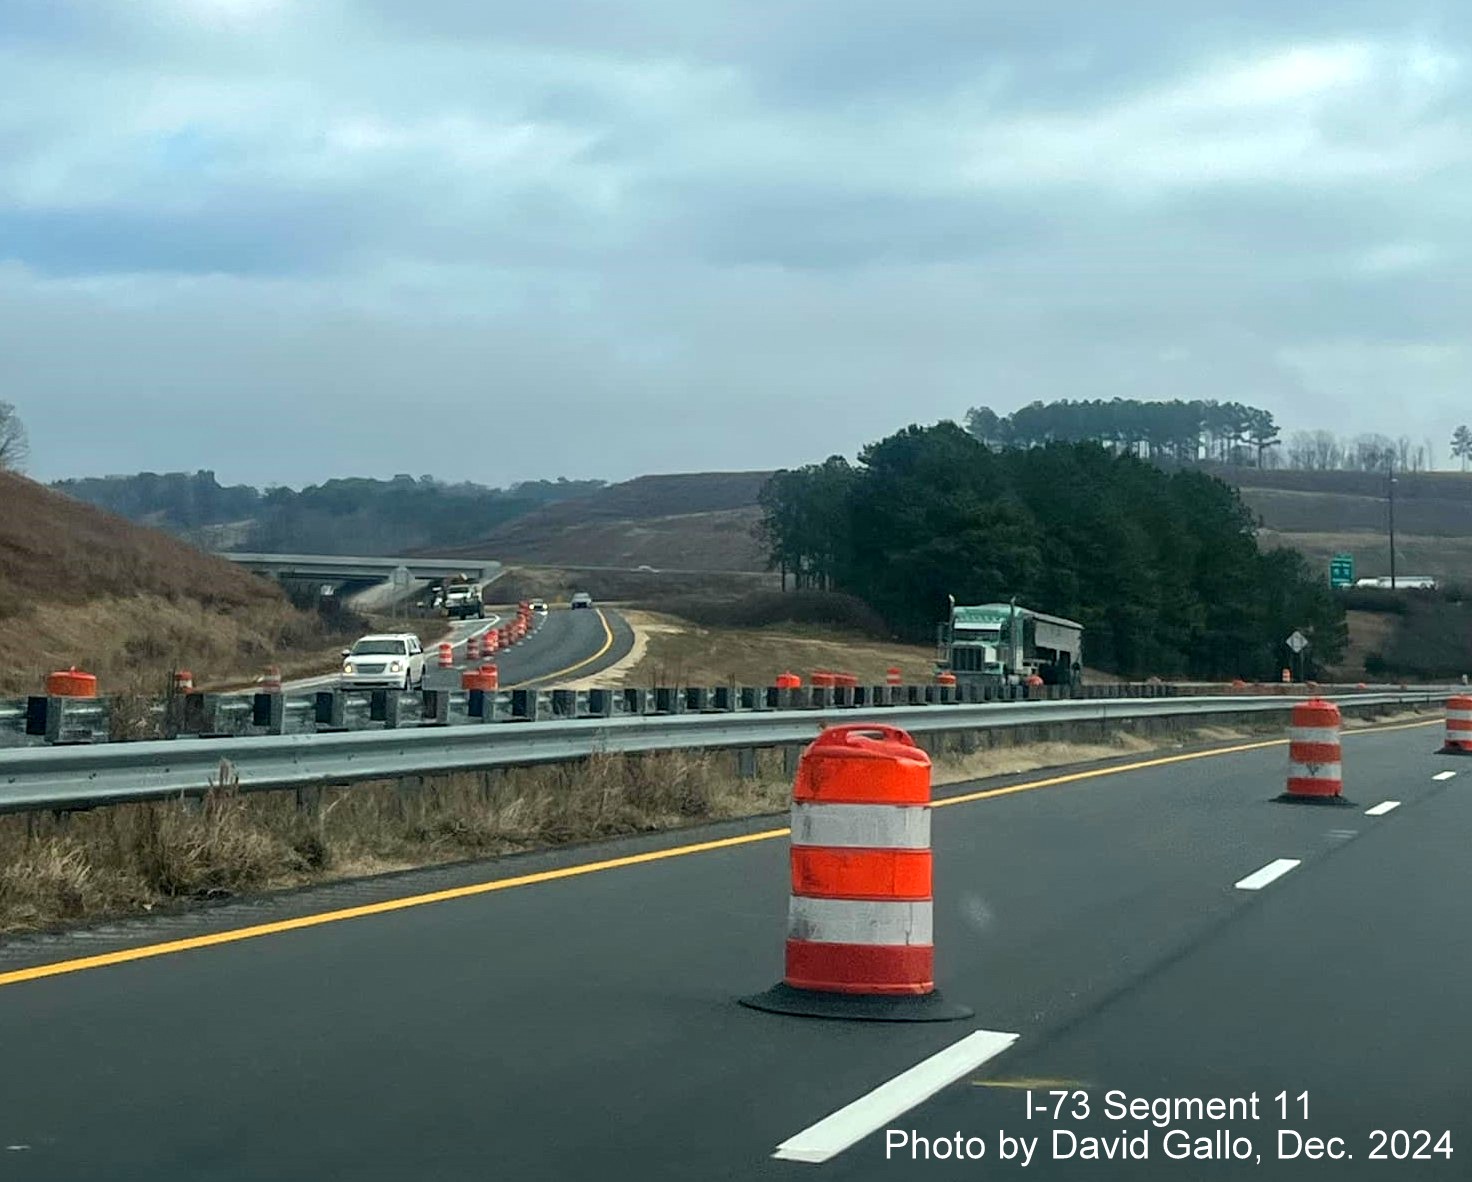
569	645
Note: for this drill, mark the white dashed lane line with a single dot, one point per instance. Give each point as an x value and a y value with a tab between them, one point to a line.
1382	808
1269	873
853	1122
1443	775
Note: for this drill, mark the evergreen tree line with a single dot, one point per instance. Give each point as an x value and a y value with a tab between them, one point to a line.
1198	431
1182	431
336	517
1161	568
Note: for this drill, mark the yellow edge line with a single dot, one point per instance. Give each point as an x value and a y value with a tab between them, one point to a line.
234	935
607	644
311	921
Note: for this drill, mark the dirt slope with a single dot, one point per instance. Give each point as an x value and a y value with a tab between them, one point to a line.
82	586
683	521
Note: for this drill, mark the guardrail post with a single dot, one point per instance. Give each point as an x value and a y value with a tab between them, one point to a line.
564	703
269	711
753	698
330	710
600	703
666	700
525	705
790	757
861	695
393	709
746	763
201	714
697	698
436	709
843	696
636	701
48	717
480	705
722	698
821	697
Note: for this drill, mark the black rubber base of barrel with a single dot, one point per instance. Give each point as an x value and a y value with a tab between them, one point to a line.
807	1003
1331	801
1454	751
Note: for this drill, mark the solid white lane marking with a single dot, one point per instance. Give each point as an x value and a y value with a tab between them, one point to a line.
1260	878
1382	808
1443	775
853	1122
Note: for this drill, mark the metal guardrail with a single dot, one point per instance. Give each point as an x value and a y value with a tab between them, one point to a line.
84	776
319	705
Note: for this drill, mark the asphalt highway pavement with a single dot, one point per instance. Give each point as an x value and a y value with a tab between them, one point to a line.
1156	930
567	645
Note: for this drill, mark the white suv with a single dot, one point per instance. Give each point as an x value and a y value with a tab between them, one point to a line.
388	661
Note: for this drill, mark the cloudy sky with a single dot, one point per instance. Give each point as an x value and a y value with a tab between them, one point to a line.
291	239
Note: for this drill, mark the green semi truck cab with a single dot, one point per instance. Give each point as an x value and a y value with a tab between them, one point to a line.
995	643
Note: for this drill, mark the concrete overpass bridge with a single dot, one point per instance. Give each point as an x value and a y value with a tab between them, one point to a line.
327	567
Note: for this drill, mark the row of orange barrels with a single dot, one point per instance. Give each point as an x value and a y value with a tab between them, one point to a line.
892	676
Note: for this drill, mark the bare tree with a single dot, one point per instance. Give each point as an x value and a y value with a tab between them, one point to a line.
15	447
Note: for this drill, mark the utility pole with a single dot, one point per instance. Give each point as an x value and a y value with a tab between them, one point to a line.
1390	462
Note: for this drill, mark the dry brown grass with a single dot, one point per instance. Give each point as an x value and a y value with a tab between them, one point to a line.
136	857
131	643
676	652
1445	558
82	587
54	547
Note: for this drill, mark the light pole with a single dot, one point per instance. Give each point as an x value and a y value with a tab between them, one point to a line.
1012	637
1390	467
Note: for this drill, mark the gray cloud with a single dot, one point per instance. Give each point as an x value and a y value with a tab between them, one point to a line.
291	242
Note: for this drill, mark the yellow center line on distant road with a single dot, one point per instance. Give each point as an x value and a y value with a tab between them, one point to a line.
607	644
235	935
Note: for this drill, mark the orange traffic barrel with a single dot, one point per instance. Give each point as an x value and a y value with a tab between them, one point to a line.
1458	726
822	681
1286	676
446	655
72	683
489	642
271	680
183	681
892	676
485	678
472	648
788	681
945	678
859	928
1315	770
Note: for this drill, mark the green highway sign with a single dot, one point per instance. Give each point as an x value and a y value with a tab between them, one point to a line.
1341	570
